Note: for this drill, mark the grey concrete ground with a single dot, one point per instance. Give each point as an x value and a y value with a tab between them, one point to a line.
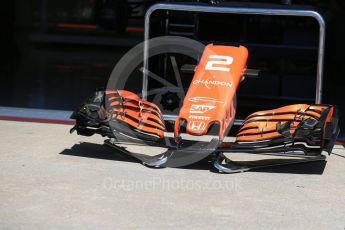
50	179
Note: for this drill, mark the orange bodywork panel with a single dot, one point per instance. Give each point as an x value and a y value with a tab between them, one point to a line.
263	125
209	99
140	114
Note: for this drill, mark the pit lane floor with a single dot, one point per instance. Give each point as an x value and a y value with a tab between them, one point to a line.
50	179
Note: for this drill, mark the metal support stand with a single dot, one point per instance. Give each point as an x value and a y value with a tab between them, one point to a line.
238	10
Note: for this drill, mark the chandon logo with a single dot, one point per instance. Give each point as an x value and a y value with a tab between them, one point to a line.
201	108
208	83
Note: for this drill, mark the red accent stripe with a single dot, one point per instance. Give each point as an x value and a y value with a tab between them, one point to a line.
94	26
77	26
136	29
39	120
339	142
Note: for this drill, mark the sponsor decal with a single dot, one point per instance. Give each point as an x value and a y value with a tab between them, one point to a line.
209	82
205	99
200	109
203	118
197	125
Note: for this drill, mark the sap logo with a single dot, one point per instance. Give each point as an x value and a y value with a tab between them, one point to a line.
203	118
197	125
208	83
201	108
205	99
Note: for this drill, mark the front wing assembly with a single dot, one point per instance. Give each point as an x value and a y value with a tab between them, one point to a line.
299	131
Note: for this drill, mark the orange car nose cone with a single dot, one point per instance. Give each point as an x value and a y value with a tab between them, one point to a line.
210	95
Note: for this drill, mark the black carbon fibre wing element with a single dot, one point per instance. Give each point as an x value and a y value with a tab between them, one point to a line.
173	157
